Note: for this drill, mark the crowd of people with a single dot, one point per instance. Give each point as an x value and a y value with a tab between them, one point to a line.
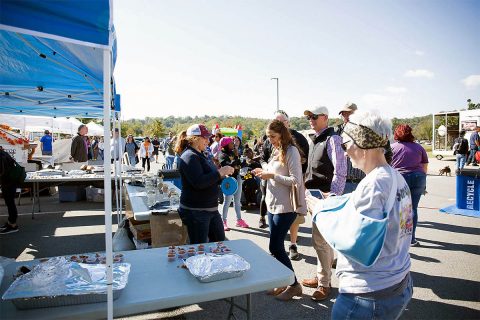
382	181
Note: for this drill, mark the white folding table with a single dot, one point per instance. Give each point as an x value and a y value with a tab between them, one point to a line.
154	284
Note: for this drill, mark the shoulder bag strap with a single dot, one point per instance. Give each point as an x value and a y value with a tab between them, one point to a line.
393	191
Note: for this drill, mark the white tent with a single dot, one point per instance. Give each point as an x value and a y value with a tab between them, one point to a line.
40	124
94	129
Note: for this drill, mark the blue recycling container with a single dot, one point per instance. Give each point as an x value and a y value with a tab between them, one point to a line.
468	189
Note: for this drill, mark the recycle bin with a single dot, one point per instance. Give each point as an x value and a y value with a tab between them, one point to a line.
468	189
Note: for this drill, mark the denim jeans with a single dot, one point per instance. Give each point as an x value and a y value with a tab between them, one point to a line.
279	225
460	163
133	160
202	226
169	162
417	182
471	156
236	197
350	306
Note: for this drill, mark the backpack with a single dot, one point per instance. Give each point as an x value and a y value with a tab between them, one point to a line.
460	146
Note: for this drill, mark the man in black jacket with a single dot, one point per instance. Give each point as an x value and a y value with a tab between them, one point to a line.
79	148
460	150
9	188
327	169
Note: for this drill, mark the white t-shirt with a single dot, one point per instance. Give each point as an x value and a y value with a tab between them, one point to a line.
370	199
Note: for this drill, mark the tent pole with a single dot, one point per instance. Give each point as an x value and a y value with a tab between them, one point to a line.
117	167
107	70
120	155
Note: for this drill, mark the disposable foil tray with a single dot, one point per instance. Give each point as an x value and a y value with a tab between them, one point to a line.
59	282
214	267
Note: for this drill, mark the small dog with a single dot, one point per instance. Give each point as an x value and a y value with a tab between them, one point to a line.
445	171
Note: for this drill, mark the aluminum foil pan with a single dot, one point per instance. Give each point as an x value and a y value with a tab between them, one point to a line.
59	277
212	267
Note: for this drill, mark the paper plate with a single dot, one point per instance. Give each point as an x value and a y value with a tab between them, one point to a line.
229	186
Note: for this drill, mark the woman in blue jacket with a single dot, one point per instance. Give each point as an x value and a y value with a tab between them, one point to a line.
200	180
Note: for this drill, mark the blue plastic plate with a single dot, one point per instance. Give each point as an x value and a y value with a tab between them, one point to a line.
229	186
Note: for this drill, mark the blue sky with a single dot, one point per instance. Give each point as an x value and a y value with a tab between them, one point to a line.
404	58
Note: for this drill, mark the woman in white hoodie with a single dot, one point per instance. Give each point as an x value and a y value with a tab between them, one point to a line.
146	150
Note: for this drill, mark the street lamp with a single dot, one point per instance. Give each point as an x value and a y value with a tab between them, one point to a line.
278	105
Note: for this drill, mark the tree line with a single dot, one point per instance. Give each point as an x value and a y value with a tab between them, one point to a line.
252	127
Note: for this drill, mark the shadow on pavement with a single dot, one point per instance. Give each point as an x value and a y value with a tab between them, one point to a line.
421	309
423	258
449	227
440	245
448	288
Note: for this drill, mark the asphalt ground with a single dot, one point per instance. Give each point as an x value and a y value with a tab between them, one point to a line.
445	268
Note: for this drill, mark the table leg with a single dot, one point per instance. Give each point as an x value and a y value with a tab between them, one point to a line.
230	310
34	195
249	306
38	197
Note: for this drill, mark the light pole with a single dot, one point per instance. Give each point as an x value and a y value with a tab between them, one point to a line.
278	105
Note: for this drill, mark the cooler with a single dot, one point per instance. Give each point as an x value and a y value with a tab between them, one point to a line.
468	189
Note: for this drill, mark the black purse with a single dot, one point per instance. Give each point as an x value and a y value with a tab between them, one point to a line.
17	174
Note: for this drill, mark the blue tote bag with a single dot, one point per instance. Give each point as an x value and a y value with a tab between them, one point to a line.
358	237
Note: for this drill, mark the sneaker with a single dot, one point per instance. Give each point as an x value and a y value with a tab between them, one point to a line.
4	226
225	226
293	253
414	243
242	224
262	223
9	229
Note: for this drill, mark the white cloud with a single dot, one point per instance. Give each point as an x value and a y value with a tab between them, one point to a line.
419	73
472	81
396	90
419	53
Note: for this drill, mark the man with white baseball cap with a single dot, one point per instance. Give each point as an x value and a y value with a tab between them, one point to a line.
326	170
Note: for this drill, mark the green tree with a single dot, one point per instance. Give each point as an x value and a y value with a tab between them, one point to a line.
472	105
155	127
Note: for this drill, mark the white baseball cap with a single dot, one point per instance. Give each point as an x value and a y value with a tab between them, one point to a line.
198	130
317	111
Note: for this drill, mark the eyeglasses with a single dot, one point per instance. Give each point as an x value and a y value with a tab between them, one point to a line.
281	112
314	116
344	145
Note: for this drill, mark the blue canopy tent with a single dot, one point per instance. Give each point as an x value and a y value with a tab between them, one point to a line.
56	59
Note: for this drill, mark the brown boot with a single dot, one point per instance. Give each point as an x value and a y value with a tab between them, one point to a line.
321	293
310	283
276	291
290	292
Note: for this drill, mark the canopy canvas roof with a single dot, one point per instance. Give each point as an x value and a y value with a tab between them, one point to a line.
50	74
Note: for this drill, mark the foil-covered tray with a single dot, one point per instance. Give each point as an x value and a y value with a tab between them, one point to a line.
59	282
214	267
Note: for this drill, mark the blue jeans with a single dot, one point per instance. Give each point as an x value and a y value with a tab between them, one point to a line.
460	163
133	161
350	306
279	225
417	182
237	196
169	162
471	156
202	226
